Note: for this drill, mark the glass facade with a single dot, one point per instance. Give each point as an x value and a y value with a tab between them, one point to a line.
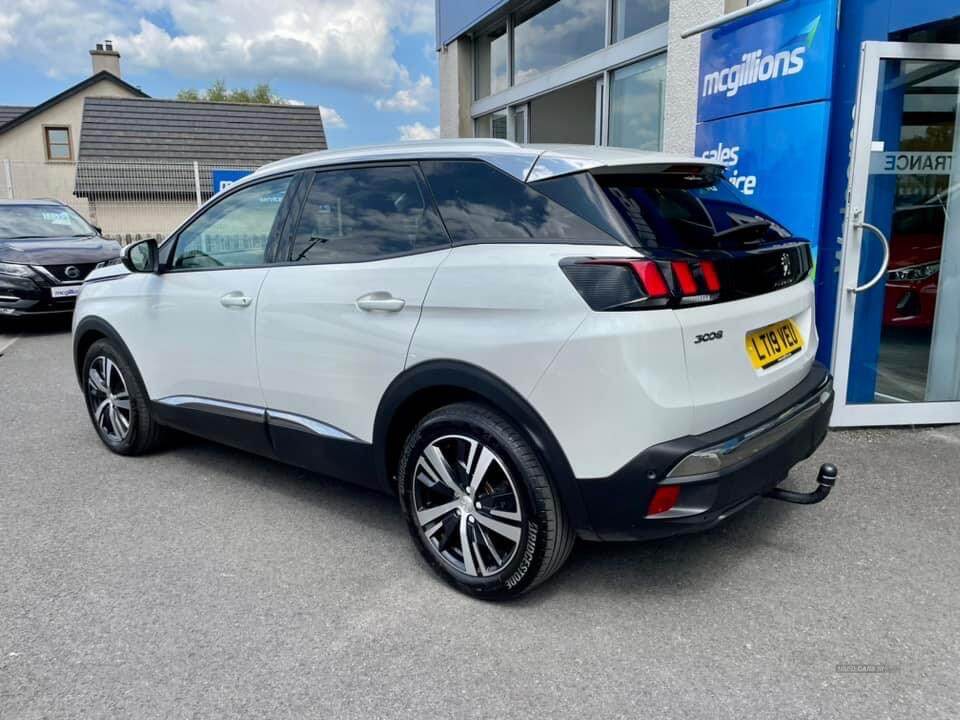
553	36
617	106
636	104
492	62
493	125
634	16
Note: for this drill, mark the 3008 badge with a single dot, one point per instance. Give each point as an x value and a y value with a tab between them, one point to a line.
708	337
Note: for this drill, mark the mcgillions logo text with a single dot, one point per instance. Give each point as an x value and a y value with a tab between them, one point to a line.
756	67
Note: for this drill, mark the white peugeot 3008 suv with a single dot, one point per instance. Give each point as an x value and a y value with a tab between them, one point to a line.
526	344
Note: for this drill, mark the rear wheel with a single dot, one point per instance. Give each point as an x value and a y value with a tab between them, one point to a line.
117	401
479	504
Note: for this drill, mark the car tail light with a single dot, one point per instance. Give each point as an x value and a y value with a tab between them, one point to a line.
710	277
684	275
665	498
632	284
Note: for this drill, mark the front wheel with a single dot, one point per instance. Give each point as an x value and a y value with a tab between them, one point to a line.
117	401
479	504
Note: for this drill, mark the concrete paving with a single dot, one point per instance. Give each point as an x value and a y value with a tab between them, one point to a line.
204	582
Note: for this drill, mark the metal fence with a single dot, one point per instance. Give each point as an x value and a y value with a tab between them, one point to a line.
128	200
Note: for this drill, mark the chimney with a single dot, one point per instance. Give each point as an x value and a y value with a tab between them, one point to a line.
104	57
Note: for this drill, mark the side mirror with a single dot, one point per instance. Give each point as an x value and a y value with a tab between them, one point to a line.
141	257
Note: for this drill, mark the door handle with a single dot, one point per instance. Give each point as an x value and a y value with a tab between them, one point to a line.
886	258
382	301
236	299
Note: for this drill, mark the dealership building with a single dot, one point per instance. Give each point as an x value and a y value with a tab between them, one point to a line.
837	117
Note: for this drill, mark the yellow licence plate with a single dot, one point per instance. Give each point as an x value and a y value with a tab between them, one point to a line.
773	343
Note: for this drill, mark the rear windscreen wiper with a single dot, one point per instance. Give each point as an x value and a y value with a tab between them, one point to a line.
747	231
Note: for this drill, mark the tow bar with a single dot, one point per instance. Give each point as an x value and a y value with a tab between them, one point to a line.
826	479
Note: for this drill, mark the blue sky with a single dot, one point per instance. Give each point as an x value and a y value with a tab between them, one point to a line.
370	64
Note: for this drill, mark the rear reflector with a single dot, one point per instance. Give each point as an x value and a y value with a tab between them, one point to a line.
665	498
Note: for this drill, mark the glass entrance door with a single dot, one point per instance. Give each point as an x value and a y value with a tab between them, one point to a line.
897	348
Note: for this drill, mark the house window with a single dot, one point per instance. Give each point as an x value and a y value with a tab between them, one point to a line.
57	141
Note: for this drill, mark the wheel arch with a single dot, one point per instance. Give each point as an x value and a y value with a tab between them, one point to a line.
432	384
87	332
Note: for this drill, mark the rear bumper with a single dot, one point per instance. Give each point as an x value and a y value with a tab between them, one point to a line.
719	473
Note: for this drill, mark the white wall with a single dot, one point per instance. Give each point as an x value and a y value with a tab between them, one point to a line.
683	68
456	89
33	175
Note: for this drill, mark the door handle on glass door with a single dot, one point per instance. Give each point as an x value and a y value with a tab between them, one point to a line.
236	299
382	301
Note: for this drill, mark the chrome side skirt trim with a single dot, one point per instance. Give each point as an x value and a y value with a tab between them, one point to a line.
218	407
299	422
275	418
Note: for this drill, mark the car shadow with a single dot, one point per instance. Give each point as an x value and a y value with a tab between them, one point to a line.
662	567
23	327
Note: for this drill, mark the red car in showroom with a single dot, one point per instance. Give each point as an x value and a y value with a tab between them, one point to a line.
914	271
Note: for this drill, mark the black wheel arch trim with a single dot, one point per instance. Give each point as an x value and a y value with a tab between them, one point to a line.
458	375
98	325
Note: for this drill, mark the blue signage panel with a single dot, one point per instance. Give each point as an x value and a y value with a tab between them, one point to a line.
777	159
781	56
222	179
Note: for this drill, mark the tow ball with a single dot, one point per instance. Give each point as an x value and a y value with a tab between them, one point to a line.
826	479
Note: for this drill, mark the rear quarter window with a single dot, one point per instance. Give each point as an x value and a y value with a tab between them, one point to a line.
479	203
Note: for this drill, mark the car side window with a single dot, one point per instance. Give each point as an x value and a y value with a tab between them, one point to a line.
358	214
235	231
480	203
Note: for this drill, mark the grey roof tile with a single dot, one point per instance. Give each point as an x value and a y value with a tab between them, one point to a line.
9	112
171	131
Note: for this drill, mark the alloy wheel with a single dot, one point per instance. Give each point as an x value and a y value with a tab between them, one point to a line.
467	506
109	399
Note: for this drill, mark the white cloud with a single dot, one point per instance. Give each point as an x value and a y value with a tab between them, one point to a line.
331	118
7	23
415	98
418	131
416	16
332	42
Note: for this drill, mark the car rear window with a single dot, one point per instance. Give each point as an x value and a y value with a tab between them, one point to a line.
480	203
689	212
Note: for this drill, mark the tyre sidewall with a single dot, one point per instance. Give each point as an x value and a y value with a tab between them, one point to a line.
139	405
522	570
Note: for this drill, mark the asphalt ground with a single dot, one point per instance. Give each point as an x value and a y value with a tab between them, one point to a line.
202	582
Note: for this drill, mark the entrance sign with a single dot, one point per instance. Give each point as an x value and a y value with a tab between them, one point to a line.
911	163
